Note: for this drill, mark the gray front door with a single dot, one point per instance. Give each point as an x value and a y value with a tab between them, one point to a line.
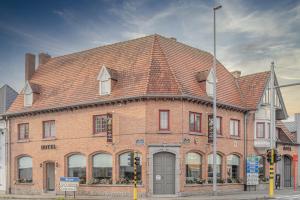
50	176
287	172
164	173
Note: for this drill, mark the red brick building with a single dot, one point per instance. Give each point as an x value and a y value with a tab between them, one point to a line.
156	92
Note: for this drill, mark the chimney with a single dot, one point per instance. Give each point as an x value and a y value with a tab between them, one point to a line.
297	120
29	66
174	39
236	74
43	58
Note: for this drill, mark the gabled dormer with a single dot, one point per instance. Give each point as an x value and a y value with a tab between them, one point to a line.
107	78
31	92
206	79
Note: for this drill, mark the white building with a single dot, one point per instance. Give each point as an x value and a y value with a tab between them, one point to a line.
7	96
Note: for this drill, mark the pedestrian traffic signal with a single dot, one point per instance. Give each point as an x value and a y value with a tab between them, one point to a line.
269	156
137	160
277	156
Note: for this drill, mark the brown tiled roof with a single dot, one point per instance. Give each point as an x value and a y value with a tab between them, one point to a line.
286	136
152	65
252	88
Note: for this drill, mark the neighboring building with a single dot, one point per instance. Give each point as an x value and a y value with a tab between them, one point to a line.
157	94
7	96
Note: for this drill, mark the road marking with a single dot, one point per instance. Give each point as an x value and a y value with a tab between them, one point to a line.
297	196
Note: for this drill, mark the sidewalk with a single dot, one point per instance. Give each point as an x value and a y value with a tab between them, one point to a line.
280	194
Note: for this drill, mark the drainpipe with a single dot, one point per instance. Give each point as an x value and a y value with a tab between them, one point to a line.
7	157
245	149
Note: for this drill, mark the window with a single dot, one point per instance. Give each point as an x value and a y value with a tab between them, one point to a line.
49	129
23	131
126	161
211	125
260	130
100	123
195	122
268	130
25	169
234	127
233	168
77	167
104	79
193	164
164	120
210	84
105	87
102	168
210	166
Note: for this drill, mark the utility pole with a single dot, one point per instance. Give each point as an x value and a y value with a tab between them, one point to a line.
215	108
136	162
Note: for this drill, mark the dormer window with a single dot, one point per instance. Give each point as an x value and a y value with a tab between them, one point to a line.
210	84
106	78
30	93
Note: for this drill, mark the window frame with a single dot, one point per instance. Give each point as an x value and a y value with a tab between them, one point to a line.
229	166
221	126
84	180
200	165
19	126
239	127
93	168
18	169
51	136
200	123
94	124
159	120
264	130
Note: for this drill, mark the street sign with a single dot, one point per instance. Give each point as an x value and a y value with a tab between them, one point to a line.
69	184
252	170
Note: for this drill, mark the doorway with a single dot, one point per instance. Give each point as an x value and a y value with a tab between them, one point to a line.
50	176
287	171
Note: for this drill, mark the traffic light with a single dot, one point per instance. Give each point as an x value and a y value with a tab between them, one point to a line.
137	161
269	155
277	156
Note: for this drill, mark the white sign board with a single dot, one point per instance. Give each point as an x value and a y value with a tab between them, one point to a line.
69	184
252	170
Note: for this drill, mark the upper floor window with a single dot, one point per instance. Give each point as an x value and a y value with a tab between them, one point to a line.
164	120
234	127
210	84
28	95
25	169
260	130
106	77
211	123
100	123
23	131
195	122
49	129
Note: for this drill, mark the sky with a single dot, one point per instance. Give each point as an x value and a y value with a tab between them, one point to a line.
250	34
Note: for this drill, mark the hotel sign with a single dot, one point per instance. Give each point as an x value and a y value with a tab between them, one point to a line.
109	128
48	146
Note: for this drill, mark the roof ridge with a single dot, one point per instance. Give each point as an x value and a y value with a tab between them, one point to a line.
254	74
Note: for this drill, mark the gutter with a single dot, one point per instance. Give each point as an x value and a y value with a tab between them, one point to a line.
191	98
8	157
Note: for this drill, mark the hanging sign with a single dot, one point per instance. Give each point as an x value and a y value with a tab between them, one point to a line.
109	128
210	130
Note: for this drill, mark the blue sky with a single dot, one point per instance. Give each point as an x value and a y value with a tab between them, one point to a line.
251	33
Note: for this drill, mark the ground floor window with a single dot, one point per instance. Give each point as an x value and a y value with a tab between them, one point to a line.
25	169
261	168
126	162
219	168
77	167
233	169
193	163
102	169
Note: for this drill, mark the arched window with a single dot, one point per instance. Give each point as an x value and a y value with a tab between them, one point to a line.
25	169
219	166
193	163
126	161
233	168
77	167
102	168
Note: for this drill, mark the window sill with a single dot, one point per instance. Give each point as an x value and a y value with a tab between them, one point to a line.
103	134
17	183
210	184
235	137
109	185
23	141
164	132
49	139
196	133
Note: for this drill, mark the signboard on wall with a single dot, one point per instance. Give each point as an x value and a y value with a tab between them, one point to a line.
109	128
210	130
252	170
69	184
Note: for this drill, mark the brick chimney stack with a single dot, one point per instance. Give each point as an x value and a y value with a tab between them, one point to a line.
29	66
236	74
43	58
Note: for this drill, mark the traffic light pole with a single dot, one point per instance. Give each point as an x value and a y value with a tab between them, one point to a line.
135	177
272	132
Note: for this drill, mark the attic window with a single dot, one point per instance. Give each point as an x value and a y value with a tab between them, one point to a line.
105	81
28	96
210	84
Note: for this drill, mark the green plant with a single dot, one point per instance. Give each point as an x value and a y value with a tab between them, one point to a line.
60	198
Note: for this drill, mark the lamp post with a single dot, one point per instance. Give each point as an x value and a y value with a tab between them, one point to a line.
215	108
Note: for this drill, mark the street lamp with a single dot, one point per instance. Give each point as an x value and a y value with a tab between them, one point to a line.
215	108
